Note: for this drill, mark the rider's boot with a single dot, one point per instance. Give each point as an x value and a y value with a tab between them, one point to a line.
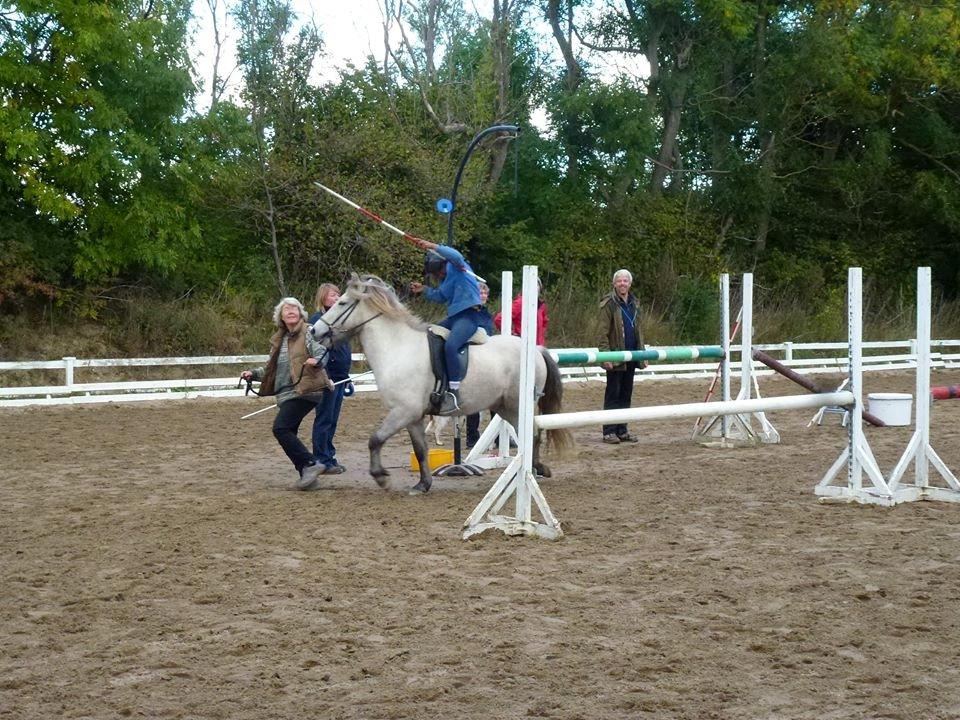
451	402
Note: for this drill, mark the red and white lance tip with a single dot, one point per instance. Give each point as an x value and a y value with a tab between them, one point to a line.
377	219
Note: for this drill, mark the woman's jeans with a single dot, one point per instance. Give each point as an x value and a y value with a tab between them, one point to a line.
325	425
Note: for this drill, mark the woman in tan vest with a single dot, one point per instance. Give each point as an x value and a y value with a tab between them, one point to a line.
295	374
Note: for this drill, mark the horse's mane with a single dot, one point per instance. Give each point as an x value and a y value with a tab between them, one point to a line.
383	299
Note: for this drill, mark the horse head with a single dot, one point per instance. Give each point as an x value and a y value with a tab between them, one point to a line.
366	298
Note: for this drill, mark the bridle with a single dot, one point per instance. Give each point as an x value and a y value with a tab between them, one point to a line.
249	382
342	318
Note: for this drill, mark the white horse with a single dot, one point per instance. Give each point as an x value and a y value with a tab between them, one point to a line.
395	344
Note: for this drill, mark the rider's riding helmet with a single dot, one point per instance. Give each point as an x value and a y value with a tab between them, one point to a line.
433	264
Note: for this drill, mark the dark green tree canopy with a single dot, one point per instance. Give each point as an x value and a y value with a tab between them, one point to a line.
790	138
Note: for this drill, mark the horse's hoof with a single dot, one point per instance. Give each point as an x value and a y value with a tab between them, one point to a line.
542	471
419	489
380	477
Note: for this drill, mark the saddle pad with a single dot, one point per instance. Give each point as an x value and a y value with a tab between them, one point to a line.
478	338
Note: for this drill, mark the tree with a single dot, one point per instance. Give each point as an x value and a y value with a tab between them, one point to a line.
276	88
92	97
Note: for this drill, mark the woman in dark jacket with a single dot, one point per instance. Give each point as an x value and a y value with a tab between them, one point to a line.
328	409
294	373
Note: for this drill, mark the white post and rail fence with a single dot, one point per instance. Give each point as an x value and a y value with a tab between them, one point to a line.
892	355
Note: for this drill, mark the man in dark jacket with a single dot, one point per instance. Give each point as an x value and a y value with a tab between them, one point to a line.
618	328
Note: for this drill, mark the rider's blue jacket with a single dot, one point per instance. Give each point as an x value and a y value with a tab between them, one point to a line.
459	289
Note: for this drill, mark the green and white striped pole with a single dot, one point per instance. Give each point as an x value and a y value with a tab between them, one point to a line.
595	357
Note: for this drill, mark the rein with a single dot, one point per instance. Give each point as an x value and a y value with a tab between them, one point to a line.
250	383
299	378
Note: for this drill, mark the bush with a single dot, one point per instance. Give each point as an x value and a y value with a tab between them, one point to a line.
694	312
150	326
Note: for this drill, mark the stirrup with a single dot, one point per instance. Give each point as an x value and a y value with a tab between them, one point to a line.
450	404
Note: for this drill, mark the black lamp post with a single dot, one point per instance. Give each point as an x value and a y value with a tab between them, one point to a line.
513	129
458	467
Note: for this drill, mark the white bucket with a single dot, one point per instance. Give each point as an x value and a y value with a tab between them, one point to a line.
892	408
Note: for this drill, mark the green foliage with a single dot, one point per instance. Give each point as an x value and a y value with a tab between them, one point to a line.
89	129
830	317
33	255
788	276
147	326
695	314
810	137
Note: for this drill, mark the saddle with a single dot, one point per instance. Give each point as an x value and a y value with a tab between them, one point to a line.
436	340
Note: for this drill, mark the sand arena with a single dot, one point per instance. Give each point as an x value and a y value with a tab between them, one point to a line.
157	563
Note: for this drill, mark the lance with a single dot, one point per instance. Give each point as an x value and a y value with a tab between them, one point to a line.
339	382
393	228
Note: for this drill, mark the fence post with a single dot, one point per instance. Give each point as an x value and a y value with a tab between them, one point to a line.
68	370
788	351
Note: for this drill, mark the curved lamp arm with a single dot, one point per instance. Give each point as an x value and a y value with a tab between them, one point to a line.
514	129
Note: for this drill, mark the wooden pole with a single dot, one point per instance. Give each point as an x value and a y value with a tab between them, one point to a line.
804	382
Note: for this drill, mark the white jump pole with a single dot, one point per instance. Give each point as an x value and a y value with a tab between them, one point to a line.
746	338
673	412
725	343
919	450
506	302
857	455
506	328
518	479
528	333
767	433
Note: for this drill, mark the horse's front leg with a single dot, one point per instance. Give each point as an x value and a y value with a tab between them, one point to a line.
392	423
418	438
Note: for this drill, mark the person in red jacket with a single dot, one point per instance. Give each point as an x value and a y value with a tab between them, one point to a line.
542	318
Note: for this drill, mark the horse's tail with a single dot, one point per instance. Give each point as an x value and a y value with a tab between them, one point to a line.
551	402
